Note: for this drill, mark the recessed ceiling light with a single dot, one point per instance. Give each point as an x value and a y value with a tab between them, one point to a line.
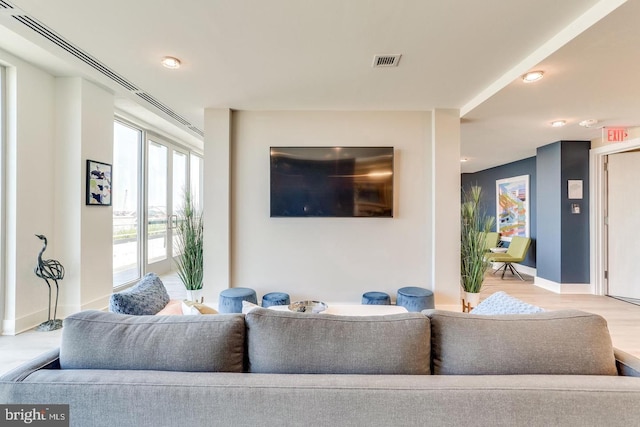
170	62
532	76
558	123
588	123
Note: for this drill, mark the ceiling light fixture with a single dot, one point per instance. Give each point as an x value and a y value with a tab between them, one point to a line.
558	123
464	159
532	76
589	123
170	62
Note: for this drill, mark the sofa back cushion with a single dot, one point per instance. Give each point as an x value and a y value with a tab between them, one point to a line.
554	342
305	343
100	340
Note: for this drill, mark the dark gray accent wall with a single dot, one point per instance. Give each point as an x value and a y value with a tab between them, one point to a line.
575	227
563	237
487	180
548	208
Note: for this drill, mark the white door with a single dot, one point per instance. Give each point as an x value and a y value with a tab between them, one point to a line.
623	225
167	177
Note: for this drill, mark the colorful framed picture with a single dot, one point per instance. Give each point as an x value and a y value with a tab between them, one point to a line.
98	183
512	207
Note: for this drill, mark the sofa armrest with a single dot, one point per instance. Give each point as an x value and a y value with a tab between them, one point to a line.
48	360
627	364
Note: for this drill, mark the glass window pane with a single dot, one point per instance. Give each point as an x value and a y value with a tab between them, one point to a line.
196	180
125	200
179	185
157	202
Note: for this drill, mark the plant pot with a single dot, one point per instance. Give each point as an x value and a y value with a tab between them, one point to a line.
469	301
195	295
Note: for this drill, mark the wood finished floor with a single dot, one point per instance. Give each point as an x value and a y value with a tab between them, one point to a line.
622	317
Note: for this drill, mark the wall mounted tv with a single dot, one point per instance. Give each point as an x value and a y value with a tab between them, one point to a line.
332	182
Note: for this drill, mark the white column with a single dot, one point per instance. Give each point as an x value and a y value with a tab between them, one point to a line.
217	203
444	199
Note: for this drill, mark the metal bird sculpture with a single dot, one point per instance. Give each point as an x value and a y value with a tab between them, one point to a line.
49	269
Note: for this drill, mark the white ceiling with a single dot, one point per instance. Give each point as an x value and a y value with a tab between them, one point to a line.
317	55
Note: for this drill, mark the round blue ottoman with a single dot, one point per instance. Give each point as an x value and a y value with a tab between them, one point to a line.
275	298
376	298
231	299
415	299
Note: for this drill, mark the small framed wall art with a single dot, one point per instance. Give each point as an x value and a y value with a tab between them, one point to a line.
98	183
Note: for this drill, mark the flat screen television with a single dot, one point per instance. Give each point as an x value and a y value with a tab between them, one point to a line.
332	182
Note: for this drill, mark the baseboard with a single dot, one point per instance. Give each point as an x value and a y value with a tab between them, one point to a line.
25	323
563	288
13	327
8	327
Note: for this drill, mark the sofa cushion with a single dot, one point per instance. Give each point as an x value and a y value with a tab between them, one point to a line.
307	343
554	342
148	296
503	303
100	340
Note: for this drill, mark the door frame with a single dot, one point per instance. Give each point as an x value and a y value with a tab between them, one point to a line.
597	211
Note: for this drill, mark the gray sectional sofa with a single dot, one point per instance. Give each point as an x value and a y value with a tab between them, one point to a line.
289	369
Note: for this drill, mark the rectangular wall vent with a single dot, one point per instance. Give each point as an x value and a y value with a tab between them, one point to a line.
386	60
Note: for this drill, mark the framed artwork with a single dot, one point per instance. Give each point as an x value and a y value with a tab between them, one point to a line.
98	183
512	207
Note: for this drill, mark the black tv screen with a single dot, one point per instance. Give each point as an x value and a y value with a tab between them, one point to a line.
332	181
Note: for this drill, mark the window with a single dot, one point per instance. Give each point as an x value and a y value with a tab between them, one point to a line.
196	179
127	147
2	163
157	167
150	175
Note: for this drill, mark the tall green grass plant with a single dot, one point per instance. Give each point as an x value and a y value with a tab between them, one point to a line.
190	230
475	225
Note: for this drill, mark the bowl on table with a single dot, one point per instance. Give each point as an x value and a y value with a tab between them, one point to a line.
308	306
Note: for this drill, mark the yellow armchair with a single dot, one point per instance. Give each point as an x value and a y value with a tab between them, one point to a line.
516	252
491	240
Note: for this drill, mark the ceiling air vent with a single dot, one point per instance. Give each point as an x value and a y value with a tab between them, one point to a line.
386	60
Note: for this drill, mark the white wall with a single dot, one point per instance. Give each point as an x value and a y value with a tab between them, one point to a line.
334	259
445	207
29	191
53	125
84	130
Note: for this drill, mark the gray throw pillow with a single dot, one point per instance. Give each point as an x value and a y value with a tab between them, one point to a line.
568	342
306	343
100	340
148	296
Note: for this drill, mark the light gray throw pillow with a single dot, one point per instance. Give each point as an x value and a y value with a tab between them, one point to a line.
306	343
554	342
503	303
99	340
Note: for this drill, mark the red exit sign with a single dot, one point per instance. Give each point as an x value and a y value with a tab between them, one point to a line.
616	134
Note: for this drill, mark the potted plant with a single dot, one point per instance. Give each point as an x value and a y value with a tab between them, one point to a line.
190	233
474	226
